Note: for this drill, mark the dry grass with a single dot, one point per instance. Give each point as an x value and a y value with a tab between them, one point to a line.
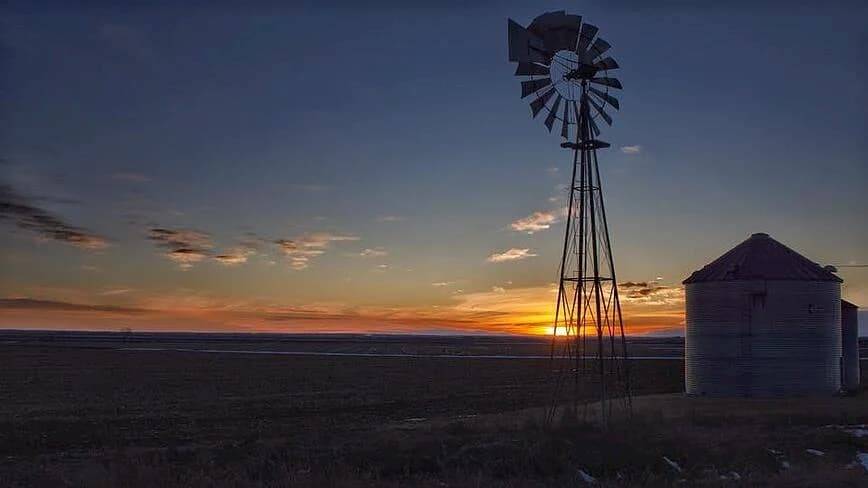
106	418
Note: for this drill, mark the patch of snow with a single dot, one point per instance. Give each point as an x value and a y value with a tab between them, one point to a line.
586	477
856	430
863	459
415	419
672	463
815	452
780	457
731	476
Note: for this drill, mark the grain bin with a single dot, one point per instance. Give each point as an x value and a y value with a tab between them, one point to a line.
850	346
762	320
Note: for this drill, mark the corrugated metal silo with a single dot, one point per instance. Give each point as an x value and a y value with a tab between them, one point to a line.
762	320
850	345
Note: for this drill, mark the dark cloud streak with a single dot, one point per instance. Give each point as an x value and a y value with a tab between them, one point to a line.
50	305
188	247
183	246
23	213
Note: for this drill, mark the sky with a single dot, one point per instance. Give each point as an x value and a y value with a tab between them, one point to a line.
324	167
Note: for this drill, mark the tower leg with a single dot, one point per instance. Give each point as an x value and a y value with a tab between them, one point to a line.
588	304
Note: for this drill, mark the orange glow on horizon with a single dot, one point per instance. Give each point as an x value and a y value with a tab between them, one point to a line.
454	320
516	311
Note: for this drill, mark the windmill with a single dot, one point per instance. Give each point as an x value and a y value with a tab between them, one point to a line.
567	80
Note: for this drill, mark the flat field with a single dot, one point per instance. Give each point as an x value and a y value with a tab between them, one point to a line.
185	410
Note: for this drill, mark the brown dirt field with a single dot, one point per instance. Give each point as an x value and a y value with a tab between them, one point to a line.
100	417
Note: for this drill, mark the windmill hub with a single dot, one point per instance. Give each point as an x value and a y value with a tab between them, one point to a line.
583	72
569	67
564	59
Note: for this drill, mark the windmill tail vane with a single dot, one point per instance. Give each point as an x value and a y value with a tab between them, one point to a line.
566	75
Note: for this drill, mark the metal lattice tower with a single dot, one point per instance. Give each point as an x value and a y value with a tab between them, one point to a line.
562	58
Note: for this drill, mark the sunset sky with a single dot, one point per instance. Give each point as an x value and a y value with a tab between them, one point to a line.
375	170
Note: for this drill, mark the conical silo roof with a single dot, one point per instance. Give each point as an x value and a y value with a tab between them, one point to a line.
761	258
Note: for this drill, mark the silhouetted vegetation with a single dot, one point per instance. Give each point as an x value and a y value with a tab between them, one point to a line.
96	417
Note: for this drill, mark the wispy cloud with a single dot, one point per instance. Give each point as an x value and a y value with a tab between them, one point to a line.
376	252
631	149
441	284
185	247
34	304
176	238
21	212
248	246
186	257
301	250
514	254
115	292
235	256
299	256
635	284
389	218
535	222
650	293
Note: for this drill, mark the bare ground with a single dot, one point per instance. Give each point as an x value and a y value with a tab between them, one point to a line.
99	417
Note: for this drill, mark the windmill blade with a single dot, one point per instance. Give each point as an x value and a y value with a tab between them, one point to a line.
546	27
546	21
598	48
532	86
601	111
594	129
606	64
561	39
605	96
573	20
530	69
561	32
550	120
588	33
610	82
570	31
524	46
540	102
519	39
565	126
